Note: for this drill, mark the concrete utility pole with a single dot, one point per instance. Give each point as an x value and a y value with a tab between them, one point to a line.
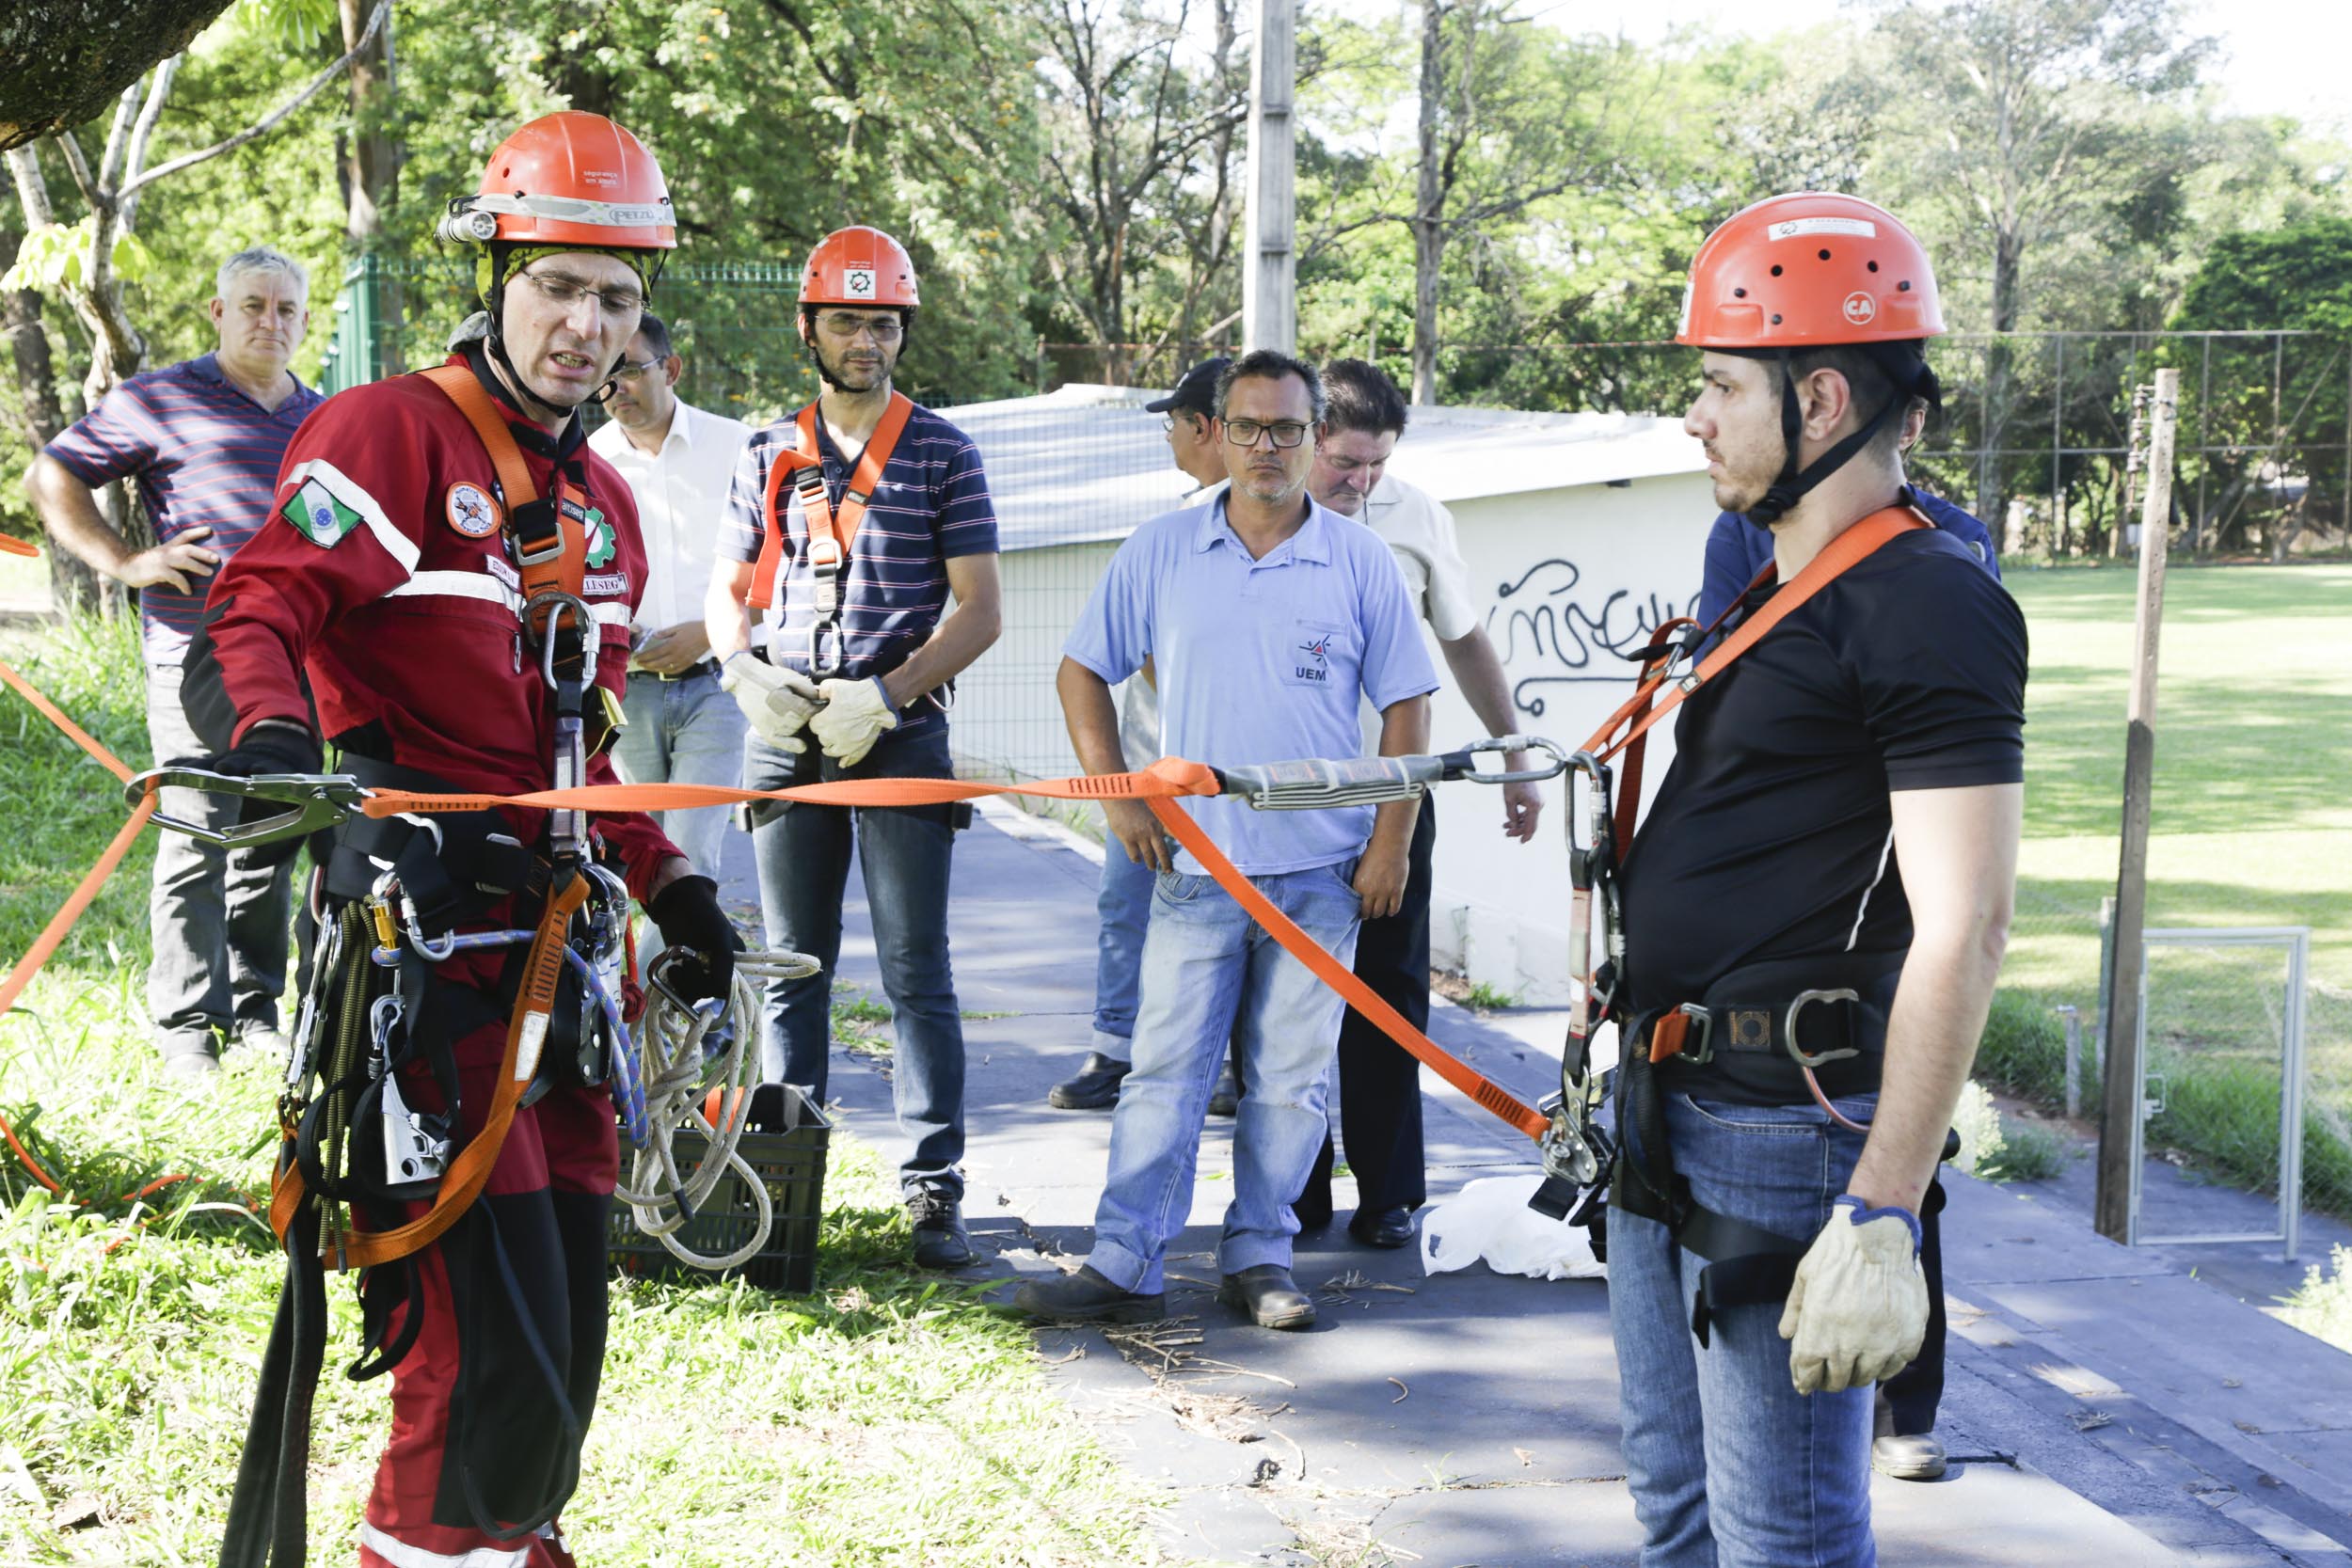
2120	1095
1269	302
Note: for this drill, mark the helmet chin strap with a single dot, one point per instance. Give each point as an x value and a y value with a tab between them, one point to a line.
1781	496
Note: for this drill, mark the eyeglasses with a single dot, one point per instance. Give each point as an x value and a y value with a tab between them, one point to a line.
567	293
1190	421
633	371
885	330
1286	432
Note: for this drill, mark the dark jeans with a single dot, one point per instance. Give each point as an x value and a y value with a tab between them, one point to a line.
219	922
1380	1079
1913	1394
802	853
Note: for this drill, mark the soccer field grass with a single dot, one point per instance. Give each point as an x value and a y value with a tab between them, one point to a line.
2251	818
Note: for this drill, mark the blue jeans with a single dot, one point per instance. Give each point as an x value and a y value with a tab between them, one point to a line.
1124	907
685	731
802	853
1211	973
1728	1464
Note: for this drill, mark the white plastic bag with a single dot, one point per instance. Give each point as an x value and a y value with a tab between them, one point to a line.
1490	1219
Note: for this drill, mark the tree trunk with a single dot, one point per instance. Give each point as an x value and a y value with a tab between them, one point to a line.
70	584
1428	206
1991	484
372	162
63	61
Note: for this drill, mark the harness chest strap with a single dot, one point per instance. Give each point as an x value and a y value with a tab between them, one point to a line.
550	543
830	534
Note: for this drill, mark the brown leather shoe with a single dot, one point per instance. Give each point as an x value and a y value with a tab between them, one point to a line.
1268	1296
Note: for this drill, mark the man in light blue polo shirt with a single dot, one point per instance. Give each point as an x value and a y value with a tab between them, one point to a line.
1267	616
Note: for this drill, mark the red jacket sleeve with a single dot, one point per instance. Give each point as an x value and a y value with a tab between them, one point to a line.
344	526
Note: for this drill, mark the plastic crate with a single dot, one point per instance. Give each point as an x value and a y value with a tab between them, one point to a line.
785	1142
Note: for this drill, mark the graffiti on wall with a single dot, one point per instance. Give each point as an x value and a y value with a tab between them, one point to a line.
1569	633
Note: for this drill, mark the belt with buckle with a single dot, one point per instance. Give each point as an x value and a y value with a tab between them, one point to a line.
699	667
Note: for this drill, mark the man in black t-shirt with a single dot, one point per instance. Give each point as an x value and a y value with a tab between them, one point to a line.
1832	854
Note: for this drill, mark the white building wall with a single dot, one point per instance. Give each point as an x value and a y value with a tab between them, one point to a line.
1570	576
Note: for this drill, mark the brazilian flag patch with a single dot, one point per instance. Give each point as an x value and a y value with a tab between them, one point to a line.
603	544
318	515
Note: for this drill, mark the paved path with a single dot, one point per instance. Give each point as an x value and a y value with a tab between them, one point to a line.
2107	1407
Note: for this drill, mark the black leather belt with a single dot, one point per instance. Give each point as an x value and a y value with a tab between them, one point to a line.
700	667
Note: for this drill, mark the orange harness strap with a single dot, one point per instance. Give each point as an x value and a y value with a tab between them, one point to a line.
550	553
829	539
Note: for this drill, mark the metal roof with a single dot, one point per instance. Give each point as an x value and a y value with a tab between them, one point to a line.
1084	464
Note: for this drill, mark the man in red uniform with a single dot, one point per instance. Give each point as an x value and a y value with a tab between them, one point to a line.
392	576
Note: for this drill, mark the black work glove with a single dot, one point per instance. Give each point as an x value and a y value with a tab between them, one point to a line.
268	747
687	914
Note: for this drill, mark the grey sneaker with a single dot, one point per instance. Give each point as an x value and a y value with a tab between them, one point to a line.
1920	1458
190	1058
940	1241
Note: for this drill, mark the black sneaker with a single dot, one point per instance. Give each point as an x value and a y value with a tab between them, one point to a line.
1225	1099
940	1242
1087	1297
1095	1086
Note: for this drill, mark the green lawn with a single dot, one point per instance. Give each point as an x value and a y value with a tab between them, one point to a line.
2252	825
889	1419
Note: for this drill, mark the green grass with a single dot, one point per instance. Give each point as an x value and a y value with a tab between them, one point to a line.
1488	999
890	1418
2251	825
2322	1306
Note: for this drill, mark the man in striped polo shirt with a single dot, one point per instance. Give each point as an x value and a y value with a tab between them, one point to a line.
849	526
203	438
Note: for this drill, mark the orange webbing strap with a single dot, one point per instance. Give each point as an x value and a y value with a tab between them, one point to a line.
49	711
1164	780
1667	1034
1842	552
1327	967
526	1034
829	541
11	545
560	566
54	933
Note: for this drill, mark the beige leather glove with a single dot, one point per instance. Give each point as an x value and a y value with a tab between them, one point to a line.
853	717
778	701
1859	1306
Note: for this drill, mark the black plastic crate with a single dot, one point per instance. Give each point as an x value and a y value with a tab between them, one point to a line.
785	1142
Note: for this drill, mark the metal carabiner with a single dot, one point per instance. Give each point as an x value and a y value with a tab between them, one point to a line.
554	601
1586	859
1460	770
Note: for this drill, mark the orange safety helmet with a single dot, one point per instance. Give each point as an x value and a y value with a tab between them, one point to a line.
1809	270
859	266
572	179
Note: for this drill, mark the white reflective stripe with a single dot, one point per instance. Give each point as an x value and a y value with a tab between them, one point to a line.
459	585
402	1554
477	585
344	489
1886	851
573	209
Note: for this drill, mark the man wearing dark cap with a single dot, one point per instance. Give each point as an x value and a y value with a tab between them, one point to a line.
1124	902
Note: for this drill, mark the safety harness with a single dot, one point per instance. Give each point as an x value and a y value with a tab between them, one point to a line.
1748	1016
829	535
352	1148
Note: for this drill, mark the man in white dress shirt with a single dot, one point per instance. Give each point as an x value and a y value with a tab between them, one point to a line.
678	460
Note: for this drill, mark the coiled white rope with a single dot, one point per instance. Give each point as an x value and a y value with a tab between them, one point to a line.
678	1080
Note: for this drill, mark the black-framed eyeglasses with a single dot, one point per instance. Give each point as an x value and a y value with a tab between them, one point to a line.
1286	432
633	371
567	293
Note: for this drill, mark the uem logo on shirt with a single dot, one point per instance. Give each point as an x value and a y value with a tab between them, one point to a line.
1319	650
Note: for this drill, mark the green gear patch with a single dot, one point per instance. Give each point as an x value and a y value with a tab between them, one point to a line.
603	544
318	516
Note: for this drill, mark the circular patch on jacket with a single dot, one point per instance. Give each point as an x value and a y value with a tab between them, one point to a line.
470	510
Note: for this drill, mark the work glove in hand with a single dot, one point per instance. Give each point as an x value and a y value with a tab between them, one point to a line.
687	914
1859	1306
777	699
268	747
853	717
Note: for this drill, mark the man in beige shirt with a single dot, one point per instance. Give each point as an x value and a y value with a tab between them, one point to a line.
1379	1083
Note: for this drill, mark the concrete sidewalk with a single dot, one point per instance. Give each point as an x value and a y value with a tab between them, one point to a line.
2102	1406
